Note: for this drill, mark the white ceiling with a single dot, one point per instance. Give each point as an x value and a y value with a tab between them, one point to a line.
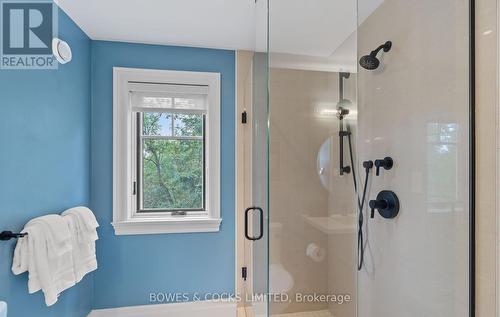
312	28
205	23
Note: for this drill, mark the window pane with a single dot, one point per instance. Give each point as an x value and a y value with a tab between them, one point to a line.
157	123
188	125
172	174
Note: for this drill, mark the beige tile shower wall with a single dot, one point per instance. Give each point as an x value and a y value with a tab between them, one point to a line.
301	120
486	156
415	109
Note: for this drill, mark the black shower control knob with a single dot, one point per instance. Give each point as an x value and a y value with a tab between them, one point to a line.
378	204
387	204
387	163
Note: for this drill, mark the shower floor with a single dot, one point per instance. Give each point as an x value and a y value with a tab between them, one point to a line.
318	313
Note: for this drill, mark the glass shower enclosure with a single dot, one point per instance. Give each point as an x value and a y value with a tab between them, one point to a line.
361	156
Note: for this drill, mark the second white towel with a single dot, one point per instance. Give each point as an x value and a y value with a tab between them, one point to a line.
82	225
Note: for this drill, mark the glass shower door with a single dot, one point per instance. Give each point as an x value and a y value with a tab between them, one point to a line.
358	82
312	158
414	107
257	215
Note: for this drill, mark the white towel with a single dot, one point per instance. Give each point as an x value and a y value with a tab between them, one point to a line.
84	257
45	254
57	252
59	237
86	223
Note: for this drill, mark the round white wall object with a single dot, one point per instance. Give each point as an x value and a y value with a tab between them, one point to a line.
61	51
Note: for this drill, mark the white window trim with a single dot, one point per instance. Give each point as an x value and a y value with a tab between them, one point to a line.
125	221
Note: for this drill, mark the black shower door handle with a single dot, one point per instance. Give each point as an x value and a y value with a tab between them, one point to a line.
261	223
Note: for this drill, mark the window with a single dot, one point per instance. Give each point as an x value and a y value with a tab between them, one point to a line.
166	151
170	165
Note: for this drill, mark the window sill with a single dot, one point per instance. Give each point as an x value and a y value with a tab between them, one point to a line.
159	226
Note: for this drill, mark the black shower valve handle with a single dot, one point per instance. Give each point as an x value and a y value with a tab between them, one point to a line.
387	204
387	163
377	204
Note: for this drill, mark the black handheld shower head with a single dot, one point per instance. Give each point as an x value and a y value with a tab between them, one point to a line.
371	62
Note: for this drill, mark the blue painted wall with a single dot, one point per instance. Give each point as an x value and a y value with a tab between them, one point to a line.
131	267
45	162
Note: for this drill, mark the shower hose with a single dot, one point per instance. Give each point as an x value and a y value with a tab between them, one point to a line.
361	203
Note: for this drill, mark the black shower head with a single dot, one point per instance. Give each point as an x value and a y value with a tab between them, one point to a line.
371	62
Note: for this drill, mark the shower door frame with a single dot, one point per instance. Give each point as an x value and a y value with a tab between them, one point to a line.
472	158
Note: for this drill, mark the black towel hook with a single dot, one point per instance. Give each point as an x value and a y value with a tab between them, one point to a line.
7	235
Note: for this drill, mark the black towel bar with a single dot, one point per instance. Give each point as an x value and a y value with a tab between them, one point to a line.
7	235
